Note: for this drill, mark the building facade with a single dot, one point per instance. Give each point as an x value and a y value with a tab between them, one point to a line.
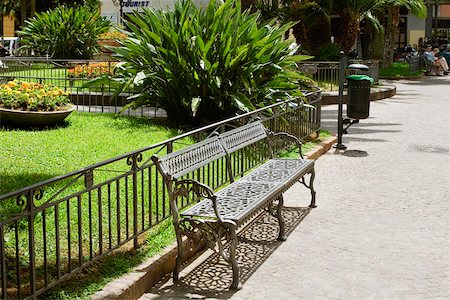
115	10
434	30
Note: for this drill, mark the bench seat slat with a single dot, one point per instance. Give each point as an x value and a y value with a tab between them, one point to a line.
252	191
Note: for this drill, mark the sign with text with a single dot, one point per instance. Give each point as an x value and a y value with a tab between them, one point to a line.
133	5
130	6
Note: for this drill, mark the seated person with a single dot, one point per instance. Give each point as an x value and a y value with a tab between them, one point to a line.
429	58
428	54
440	62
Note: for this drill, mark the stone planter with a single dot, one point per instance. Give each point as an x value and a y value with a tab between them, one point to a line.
33	118
107	43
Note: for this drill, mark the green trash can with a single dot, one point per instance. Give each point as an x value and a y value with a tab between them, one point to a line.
358	96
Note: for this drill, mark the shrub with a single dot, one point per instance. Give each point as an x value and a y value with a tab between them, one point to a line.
201	65
32	96
64	32
92	70
328	52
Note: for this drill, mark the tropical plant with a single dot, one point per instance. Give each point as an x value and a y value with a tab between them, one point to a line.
64	32
352	12
328	52
313	30
23	9
201	65
417	7
33	96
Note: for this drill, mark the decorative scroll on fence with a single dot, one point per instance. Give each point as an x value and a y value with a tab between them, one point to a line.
53	229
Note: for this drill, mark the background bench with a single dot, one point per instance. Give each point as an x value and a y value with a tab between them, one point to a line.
218	215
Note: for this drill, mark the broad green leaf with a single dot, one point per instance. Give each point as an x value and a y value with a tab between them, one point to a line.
195	105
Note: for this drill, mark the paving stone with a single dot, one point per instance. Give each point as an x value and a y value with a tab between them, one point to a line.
382	228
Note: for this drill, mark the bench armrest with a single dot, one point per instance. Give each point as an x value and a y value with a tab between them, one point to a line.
290	136
184	186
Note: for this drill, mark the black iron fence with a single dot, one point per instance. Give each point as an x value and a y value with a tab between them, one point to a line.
71	75
326	73
55	228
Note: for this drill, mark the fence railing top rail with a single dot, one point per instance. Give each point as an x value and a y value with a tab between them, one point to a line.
154	146
49	59
324	62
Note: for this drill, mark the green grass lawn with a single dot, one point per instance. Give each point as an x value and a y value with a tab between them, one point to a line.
97	276
399	69
30	156
308	144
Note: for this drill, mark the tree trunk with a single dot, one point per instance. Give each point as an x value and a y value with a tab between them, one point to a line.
436	10
23	11
389	41
349	31
33	7
318	33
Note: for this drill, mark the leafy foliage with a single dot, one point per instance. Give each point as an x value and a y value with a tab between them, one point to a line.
64	32
201	65
328	52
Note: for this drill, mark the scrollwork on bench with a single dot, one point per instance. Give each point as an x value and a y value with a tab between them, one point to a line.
297	142
214	233
184	186
235	204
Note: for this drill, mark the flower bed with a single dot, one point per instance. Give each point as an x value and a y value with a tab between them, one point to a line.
33	104
92	70
32	96
112	35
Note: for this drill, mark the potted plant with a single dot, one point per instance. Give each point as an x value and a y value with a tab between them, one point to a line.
33	104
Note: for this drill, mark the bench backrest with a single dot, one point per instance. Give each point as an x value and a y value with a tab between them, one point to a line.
243	136
191	158
182	162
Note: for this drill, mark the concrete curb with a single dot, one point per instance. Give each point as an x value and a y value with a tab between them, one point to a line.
385	91
322	148
134	284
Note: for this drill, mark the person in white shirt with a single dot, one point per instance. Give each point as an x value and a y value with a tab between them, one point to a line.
440	62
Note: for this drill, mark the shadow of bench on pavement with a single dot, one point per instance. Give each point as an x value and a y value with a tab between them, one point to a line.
213	276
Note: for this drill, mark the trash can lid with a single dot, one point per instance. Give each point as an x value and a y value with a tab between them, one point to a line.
360	77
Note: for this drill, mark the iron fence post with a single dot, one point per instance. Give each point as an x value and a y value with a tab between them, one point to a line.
3	293
39	272
135	158
31	243
169	147
343	62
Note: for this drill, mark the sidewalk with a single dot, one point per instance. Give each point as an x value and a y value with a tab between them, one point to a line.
382	226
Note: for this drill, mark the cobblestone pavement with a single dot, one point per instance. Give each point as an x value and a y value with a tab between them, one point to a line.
382	226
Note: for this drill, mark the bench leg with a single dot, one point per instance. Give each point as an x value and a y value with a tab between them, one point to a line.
313	192
179	258
235	285
281	234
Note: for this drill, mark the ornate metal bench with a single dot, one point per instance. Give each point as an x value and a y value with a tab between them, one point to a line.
218	215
